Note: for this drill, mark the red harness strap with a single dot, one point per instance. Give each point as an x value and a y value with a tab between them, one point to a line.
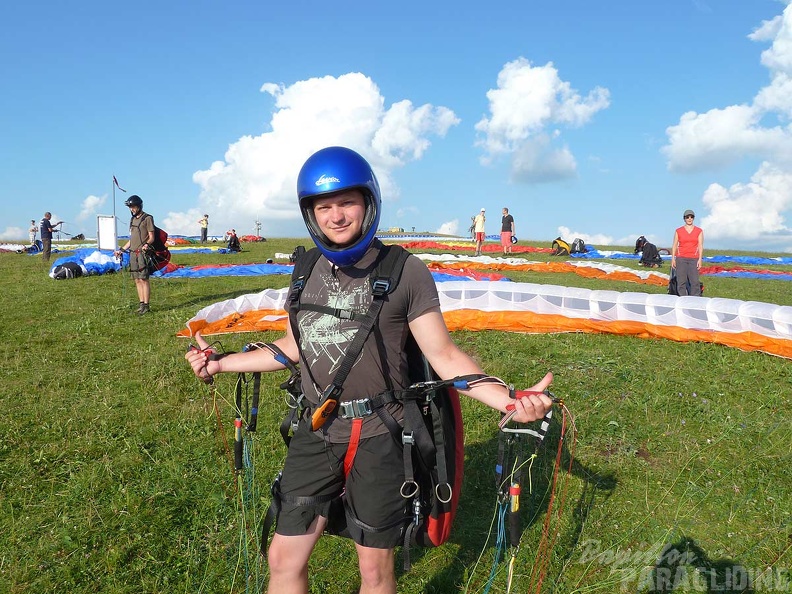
354	440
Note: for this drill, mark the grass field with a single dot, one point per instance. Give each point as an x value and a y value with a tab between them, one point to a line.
114	476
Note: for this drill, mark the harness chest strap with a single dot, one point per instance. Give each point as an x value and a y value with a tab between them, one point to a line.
384	278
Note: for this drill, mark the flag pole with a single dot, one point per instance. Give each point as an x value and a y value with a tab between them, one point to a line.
115	220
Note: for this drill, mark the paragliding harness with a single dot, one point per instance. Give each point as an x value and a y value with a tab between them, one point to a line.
578	246
158	255
561	247
432	437
67	270
296	254
650	256
162	254
35	247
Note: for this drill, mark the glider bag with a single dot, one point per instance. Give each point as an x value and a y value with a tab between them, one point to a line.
673	289
578	246
561	247
66	270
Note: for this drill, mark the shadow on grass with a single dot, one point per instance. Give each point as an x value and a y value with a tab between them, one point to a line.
684	565
478	500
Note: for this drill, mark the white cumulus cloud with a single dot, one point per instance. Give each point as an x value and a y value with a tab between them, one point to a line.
256	179
449	228
750	211
756	210
568	235
15	234
537	161
720	137
526	109
90	206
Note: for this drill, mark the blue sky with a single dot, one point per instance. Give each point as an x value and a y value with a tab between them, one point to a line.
599	120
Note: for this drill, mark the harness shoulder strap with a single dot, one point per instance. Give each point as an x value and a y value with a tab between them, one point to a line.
303	266
383	279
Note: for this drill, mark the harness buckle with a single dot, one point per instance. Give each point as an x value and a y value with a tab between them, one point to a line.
297	288
355	409
380	287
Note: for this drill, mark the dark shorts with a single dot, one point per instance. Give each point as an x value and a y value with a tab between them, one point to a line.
372	496
138	265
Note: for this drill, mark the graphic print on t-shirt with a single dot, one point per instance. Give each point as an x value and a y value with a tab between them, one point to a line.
325	339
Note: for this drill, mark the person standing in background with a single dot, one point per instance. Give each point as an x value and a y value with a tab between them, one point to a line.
507	231
478	222
686	253
204	223
33	231
46	235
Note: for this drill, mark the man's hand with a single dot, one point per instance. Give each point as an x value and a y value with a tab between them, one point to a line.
534	406
198	358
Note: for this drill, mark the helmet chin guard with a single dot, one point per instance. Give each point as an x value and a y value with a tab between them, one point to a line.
330	171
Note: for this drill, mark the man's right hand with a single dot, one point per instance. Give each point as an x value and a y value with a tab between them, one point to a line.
198	358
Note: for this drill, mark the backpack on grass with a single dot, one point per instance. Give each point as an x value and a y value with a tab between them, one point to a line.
431	435
66	270
673	289
578	247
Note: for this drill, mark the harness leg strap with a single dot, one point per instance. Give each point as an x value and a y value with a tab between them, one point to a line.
354	441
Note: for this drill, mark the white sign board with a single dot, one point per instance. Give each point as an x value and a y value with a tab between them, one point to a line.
106	232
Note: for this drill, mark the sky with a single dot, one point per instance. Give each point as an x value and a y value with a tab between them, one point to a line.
598	120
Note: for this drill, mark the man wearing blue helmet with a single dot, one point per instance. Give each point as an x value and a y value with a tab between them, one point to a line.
340	201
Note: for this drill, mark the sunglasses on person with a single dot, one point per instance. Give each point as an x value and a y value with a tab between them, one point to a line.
689	217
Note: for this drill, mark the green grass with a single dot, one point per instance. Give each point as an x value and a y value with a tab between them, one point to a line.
114	476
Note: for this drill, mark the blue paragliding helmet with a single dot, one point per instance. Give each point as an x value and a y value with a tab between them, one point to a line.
329	171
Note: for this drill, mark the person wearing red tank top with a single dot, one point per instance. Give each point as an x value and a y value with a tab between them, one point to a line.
686	253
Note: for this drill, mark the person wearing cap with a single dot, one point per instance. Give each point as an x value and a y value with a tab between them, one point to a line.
339	198
33	231
478	223
203	222
139	246
686	253
507	231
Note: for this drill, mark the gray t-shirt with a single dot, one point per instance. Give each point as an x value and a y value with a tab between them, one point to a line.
325	339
